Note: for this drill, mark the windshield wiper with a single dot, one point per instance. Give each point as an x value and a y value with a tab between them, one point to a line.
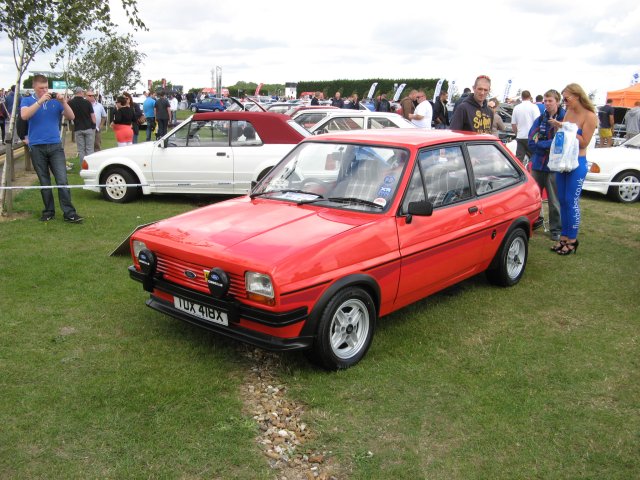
359	201
286	190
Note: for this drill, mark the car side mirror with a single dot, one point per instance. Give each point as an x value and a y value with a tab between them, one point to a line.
422	208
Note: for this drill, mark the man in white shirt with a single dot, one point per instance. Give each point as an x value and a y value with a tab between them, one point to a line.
522	118
101	119
423	113
173	105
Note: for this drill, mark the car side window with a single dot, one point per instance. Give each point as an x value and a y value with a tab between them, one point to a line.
207	133
244	134
415	190
381	123
445	175
492	169
346	123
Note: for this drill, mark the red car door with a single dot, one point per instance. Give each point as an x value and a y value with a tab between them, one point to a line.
447	246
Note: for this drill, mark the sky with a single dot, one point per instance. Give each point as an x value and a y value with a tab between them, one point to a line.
537	44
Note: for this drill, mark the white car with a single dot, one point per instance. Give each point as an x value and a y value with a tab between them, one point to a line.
615	165
209	153
345	120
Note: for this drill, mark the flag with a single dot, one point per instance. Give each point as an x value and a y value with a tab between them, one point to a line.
258	89
438	88
506	90
399	92
452	89
635	78
372	89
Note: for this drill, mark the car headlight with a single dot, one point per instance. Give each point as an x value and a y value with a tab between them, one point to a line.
594	167
137	247
259	287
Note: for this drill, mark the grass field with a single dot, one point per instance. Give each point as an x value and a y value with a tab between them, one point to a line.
536	381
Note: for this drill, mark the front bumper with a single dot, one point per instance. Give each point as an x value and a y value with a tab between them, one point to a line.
596	182
90	178
265	329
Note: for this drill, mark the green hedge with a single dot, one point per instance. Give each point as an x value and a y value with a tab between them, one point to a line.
361	87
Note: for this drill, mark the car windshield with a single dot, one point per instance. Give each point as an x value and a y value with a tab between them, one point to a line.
337	175
633	142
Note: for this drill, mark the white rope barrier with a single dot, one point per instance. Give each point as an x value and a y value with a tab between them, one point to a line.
209	184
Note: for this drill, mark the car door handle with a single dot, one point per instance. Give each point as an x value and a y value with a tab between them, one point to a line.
221	154
473	209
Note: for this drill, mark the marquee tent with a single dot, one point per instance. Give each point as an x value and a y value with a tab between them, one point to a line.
625	97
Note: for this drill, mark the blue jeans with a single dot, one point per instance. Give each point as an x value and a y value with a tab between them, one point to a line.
50	157
151	126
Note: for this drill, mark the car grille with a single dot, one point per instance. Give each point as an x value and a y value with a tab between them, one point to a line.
174	271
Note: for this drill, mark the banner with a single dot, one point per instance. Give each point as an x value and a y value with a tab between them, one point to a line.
436	93
149	84
258	89
507	88
452	89
399	92
164	83
372	90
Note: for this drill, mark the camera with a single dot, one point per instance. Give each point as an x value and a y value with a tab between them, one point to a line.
53	95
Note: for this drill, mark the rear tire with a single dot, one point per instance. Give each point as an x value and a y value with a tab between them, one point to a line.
345	330
509	264
116	191
627	193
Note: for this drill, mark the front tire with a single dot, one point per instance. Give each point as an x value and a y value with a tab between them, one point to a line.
509	264
345	330
116	189
628	193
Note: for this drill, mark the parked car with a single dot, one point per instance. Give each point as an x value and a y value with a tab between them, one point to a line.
209	153
299	107
615	165
342	120
278	107
347	228
208	105
308	117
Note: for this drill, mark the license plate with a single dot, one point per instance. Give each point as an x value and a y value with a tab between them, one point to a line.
201	311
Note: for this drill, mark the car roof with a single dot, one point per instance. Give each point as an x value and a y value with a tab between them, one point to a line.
271	127
402	137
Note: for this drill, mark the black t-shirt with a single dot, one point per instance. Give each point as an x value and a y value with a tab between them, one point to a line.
161	108
123	116
82	109
603	116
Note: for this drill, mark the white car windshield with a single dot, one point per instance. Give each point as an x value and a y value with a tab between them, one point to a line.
359	177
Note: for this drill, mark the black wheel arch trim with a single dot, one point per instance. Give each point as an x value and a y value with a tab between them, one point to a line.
521	223
355	280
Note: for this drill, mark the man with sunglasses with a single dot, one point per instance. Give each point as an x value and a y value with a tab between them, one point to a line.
473	114
423	113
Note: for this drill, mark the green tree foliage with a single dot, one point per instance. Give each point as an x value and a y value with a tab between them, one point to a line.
109	63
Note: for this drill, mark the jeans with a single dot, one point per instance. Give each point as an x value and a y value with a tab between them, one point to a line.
547	181
97	142
50	157
151	126
523	150
162	127
85	142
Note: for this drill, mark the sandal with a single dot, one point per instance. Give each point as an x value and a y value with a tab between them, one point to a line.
569	248
559	245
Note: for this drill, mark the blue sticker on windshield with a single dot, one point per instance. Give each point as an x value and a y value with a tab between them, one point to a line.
389	179
384	192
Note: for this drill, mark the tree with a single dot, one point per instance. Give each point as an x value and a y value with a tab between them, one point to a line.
36	26
109	63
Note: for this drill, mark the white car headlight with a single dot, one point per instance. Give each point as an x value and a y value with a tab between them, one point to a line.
259	287
137	246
